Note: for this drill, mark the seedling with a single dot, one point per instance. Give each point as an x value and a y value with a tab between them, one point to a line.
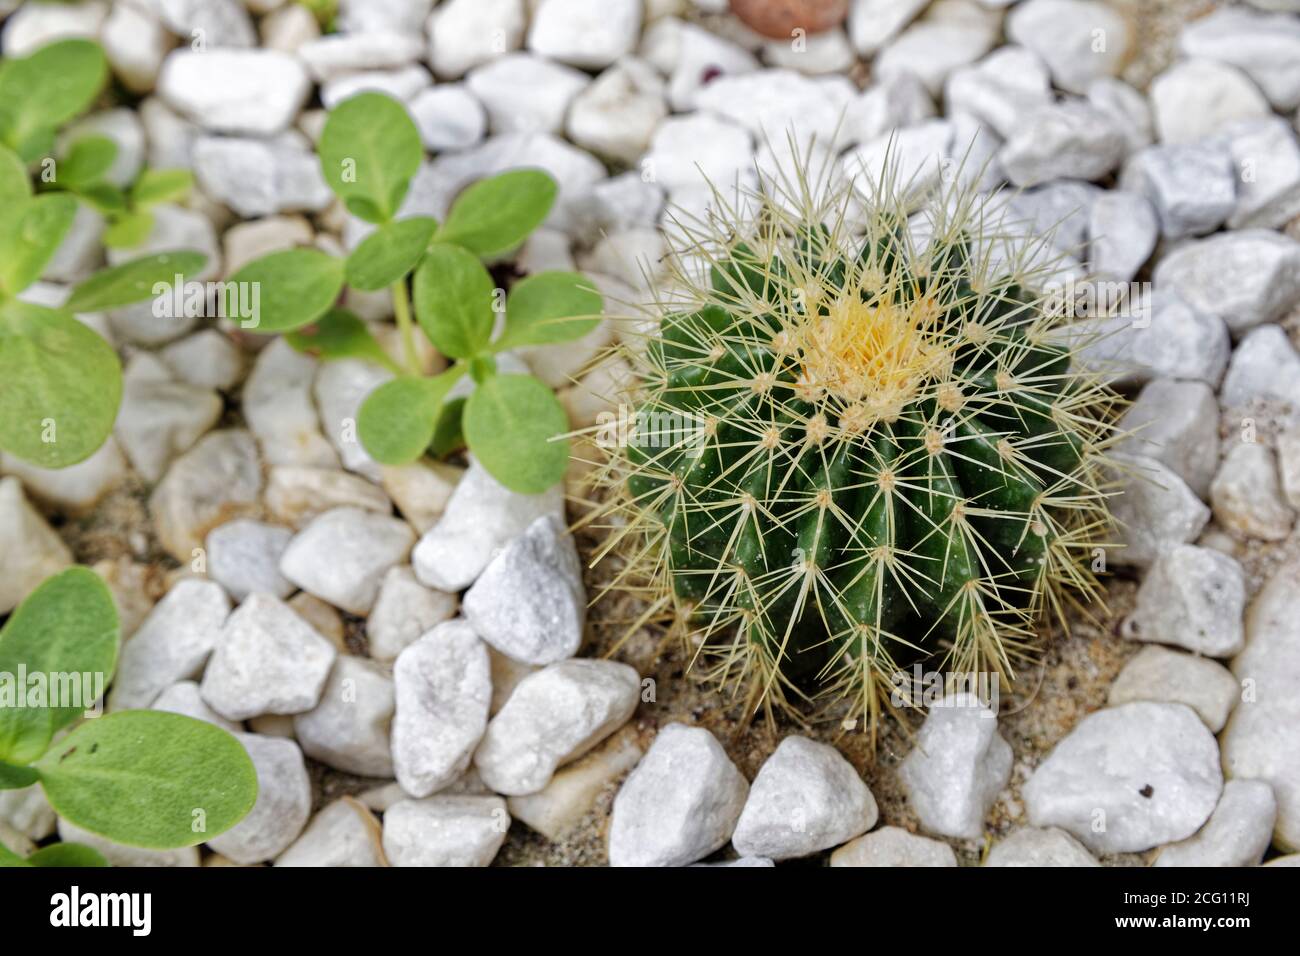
369	151
138	777
60	383
855	452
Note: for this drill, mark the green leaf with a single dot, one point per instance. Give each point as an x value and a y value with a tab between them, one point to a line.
397	419
8	858
60	386
295	287
495	215
369	150
14	184
550	307
340	334
66	855
87	162
30	237
162	185
389	253
150	779
448	434
43	91
128	230
67	630
15	778
453	300
134	281
510	422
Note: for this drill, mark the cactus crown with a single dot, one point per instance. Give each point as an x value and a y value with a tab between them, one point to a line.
854	447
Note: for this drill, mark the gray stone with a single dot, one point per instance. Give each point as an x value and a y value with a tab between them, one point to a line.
244	556
1237	834
1029	846
207	359
680	803
1193	598
161	418
278	405
76	489
1193	186
894	846
1068	140
1177	423
553	717
805	798
30	550
448	117
444	686
261	177
1080	41
1265	365
216	23
457	830
1161	674
184	697
523	93
248	92
957	767
1000	89
1154	512
1267	160
283	802
1247	496
172	644
1127	107
349	729
403	612
1128	778
268	660
343	555
341	54
1265	47
345	834
1246	277
482	518
296	495
1193	99
616	116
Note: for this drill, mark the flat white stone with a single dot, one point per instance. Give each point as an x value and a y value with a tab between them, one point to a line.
461	830
342	53
345	833
894	846
283	802
343	555
1079	40
1030	846
349	729
1161	674
244	556
260	177
1193	598
1155	512
1177	423
404	611
466	33
1237	834
1247	495
556	809
250	92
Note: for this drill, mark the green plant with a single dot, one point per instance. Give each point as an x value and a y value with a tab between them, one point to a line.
139	777
60	383
854	449
369	150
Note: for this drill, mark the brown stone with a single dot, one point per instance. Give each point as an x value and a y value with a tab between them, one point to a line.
780	18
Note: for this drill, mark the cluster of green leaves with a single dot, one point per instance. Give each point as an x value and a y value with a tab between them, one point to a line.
369	151
137	777
60	383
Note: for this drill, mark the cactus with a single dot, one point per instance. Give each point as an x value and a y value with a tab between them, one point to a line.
853	449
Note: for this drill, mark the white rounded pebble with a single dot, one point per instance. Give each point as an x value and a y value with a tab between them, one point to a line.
252	92
1160	674
1247	495
343	834
244	556
343	555
1155	511
404	611
591	34
349	729
1194	598
1237	834
445	831
1030	846
894	846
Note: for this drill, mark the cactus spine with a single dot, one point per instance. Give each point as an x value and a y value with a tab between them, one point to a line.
854	449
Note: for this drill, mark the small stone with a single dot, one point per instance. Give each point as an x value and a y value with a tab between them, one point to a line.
161	418
448	117
1246	277
261	177
207	359
1155	511
267	661
1128	108
296	495
558	808
383	16
343	555
1177	423
445	831
1193	99
27	811
805	798
680	803
342	54
894	846
688	151
1079	40
404	611
118	854
554	716
278	405
1193	187
249	92
1265	47
616	116
283	802
244	556
344	834
246	241
591	34
288	28
30	550
529	602
443	686
1059	210
1030	846
1160	674
897	102
1247	496
1264	365
507	673
873	23
958	766
348	730
1000	89
1288	460
917	153
466	33
78	255
822	54
1269	197
1068	140
76	489
340	388
172	644
482	517
219	23
34	25
933	48
217	480
402	85
1237	834
523	93
1128	778
421	490
320	616
780	19
183	697
1193	598
701	58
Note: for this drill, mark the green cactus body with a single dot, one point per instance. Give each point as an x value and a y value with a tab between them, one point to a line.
849	454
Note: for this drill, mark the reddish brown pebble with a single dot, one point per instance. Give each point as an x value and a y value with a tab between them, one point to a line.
780	18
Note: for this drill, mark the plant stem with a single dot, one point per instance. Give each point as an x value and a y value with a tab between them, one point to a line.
402	310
